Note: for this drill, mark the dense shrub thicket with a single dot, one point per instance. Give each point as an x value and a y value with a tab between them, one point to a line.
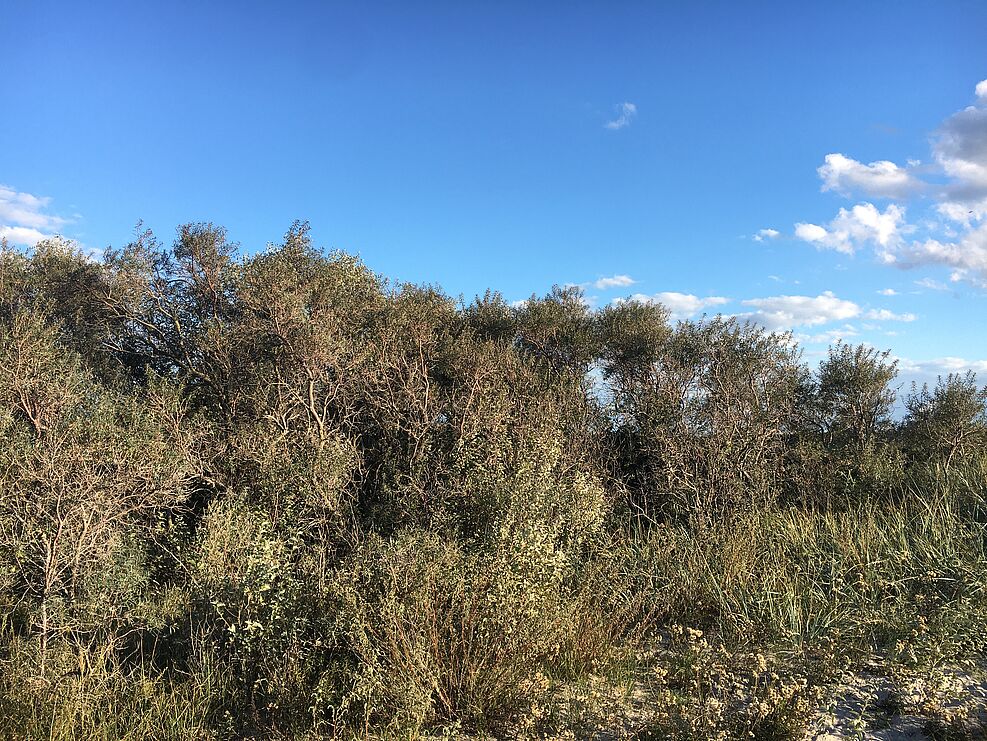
279	496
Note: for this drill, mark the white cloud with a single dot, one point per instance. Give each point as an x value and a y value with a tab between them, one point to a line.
23	217
932	284
952	236
885	315
680	305
926	371
22	235
810	232
862	224
963	213
829	337
888	292
614	281
626	113
882	179
786	312
960	147
778	312
763	234
24	209
967	256
942	366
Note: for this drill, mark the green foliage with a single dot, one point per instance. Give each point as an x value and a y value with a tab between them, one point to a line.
265	624
854	400
704	410
276	496
948	424
442	636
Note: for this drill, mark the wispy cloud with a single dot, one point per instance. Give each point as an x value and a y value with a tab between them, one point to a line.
780	312
885	315
938	366
932	284
915	371
625	114
763	234
829	336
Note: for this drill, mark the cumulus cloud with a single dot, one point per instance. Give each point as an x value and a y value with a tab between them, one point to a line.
680	305
24	219
614	281
851	229
787	312
810	232
951	236
605	283
960	147
763	234
963	213
882	179
967	256
888	292
22	235
625	114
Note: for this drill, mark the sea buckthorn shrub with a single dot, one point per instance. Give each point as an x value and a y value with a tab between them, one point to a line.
276	495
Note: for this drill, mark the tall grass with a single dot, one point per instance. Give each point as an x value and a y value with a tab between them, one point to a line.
435	637
866	577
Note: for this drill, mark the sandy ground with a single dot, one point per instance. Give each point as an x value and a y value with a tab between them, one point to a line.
872	705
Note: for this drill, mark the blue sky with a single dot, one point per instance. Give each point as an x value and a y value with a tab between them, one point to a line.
521	145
